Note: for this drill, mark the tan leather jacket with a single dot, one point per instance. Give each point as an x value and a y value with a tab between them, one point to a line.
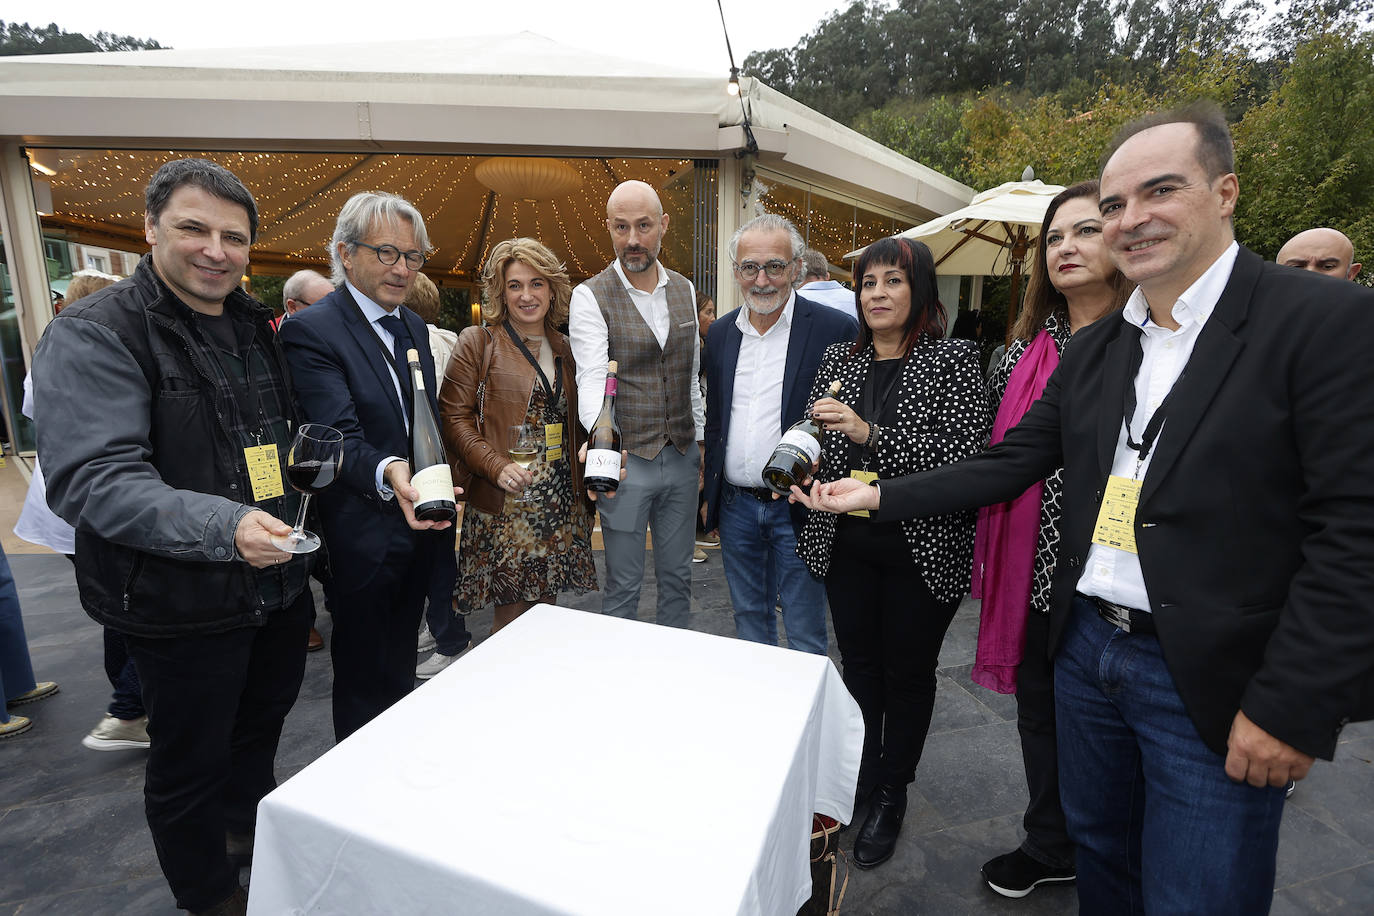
480	442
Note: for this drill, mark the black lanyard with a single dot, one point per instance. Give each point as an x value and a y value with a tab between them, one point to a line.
551	390
1152	428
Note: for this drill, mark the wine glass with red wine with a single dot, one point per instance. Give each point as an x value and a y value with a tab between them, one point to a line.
312	464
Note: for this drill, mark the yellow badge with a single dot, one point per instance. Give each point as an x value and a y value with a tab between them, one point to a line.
264	469
553	441
867	477
1116	518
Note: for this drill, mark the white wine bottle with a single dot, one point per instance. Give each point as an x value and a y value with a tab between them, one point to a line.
603	442
429	470
796	453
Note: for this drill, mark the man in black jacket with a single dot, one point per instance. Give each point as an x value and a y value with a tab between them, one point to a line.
1211	621
166	413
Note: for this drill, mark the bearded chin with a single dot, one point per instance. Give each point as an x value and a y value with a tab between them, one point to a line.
761	308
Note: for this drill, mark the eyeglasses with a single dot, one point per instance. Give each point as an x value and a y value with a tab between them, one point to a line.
390	254
774	269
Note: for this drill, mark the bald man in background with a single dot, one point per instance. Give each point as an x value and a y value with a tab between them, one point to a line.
1323	251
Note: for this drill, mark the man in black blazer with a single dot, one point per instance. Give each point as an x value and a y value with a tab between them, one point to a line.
760	362
1211	619
346	354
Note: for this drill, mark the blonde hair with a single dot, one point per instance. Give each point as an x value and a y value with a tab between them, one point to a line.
423	299
543	261
84	283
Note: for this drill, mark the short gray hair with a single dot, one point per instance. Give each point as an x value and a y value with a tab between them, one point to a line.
816	264
769	222
295	285
360	214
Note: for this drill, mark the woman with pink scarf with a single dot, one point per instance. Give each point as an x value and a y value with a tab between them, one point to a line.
1072	284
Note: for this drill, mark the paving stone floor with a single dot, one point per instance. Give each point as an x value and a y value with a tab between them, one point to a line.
73	839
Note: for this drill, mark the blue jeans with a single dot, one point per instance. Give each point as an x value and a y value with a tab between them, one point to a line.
16	671
758	546
1160	828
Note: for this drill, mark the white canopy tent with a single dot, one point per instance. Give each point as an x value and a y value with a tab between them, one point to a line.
305	126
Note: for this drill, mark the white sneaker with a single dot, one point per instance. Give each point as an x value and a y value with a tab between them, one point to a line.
434	664
426	641
111	734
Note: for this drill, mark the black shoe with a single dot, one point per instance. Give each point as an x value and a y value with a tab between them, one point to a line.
862	794
878	837
1016	874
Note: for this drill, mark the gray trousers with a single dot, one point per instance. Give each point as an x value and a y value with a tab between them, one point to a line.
660	494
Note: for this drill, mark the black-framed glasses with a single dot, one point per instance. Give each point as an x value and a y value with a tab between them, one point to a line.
390	254
749	270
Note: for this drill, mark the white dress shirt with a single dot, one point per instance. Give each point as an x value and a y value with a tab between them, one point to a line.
372	312
833	294
588	337
1109	572
756	403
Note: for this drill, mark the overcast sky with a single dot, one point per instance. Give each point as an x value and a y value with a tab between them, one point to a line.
685	33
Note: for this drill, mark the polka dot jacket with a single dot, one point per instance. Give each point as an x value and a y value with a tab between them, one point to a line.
942	406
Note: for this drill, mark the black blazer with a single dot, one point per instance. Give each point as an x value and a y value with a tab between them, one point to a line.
814	327
1255	527
343	381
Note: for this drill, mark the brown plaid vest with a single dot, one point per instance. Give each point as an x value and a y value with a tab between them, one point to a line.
654	402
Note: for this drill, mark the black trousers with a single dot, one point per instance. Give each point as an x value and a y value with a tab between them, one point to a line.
889	629
375	626
1047	838
216	704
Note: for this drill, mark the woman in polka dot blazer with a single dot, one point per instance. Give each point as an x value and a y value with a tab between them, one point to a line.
910	400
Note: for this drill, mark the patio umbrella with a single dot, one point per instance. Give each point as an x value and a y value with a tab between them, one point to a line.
993	235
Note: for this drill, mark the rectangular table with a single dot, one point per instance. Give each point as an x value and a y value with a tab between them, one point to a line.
573	764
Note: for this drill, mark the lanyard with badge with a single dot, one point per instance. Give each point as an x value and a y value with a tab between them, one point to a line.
262	461
1116	517
873	405
553	432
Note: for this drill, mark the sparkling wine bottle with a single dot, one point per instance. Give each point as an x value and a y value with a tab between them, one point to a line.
796	453
429	470
603	443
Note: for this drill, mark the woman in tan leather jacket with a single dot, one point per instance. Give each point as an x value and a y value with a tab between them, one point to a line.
518	369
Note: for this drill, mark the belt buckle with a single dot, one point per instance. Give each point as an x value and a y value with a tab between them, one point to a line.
1114	615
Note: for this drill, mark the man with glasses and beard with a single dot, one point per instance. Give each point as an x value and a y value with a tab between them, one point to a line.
644	315
761	361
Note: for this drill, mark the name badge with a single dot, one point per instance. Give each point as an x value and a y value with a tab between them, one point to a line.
1116	517
553	441
867	477
264	470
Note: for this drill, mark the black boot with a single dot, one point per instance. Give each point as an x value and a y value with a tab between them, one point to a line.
862	793
878	837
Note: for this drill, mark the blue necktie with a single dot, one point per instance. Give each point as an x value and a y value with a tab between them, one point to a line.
400	343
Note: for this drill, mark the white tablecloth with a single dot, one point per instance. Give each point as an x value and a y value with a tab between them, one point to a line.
573	764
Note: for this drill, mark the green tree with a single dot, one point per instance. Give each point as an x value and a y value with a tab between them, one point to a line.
22	38
1305	156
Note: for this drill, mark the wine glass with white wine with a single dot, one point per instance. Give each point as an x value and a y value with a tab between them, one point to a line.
525	445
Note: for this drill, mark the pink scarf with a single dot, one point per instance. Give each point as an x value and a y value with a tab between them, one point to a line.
1004	548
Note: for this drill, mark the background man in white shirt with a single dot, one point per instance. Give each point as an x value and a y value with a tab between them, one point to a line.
818	287
644	315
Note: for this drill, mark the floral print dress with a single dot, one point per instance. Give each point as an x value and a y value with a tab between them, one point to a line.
535	549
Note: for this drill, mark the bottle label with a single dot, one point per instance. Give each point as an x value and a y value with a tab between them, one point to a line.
805	444
435	484
603	462
610	386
